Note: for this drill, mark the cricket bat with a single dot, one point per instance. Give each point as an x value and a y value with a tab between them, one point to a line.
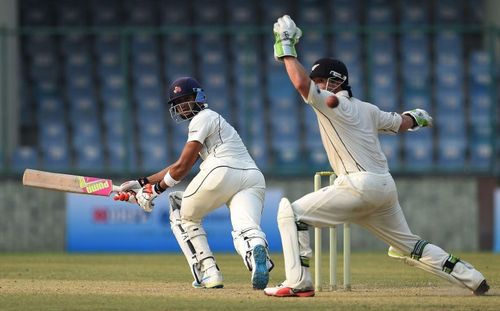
69	183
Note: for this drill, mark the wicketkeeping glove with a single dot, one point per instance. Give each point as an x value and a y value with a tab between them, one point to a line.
145	197
421	118
286	35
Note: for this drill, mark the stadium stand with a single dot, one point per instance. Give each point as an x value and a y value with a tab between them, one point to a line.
97	99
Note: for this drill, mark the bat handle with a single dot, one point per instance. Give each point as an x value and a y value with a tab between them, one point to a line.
115	188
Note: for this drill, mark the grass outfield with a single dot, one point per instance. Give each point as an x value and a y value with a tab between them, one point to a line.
162	282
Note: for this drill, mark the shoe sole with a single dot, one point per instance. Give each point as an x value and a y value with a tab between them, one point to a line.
260	276
293	294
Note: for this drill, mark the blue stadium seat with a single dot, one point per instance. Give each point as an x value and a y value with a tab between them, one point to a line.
390	147
105	13
481	104
24	157
313	48
147	86
310	13
481	127
412	100
345	13
142	43
415	13
418	149
79	85
448	42
208	12
175	13
75	43
449	101
481	154
140	13
384	91
112	86
449	125
451	153
71	13
258	149
145	63
49	107
285	136
154	156
449	77
178	51
415	63
380	13
448	12
85	132
39	44
89	157
271	10
121	155
318	159
241	13
44	66
108	42
287	157
53	131
114	110
78	63
82	108
35	13
55	156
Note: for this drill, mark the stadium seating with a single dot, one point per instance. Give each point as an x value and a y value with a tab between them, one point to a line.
96	99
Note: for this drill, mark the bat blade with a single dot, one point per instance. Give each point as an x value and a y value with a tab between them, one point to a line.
69	183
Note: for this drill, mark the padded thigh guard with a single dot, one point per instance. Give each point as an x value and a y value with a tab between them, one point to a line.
245	241
190	236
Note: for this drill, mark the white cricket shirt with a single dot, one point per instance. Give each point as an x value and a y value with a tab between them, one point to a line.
350	131
221	143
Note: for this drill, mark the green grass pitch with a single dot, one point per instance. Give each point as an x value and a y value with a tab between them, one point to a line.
163	282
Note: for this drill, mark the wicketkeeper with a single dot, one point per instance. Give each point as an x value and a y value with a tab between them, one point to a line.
364	192
228	175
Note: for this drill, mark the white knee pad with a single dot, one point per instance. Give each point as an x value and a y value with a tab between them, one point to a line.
245	241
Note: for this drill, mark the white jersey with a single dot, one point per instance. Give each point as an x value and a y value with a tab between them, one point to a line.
222	146
349	132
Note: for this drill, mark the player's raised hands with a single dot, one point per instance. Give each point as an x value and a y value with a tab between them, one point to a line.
286	35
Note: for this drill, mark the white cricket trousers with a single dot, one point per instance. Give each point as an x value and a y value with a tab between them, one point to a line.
242	190
371	201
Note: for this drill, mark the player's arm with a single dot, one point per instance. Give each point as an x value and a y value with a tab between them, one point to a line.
406	123
181	167
297	75
286	35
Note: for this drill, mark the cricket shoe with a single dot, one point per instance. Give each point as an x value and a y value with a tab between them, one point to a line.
283	291
482	289
212	280
260	272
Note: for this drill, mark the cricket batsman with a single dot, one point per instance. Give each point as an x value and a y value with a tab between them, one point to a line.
364	192
228	175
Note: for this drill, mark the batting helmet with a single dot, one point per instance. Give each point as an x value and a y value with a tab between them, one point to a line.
331	69
186	98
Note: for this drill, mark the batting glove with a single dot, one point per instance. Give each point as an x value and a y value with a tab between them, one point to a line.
286	35
420	117
145	198
129	189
